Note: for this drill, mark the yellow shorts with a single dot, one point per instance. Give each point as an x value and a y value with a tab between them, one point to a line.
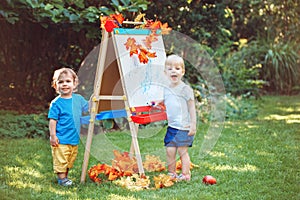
64	157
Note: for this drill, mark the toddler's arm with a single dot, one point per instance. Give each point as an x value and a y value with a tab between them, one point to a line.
192	111
52	128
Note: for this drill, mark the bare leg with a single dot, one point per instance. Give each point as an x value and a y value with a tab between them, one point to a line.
171	159
62	175
185	160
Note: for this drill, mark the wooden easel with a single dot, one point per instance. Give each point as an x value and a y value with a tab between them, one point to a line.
109	72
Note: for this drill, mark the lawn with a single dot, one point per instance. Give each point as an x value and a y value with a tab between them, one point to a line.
252	159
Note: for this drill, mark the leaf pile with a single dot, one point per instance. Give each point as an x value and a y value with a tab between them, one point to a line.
124	172
134	182
153	164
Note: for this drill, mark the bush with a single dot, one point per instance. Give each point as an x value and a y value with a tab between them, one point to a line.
239	108
280	64
240	74
19	126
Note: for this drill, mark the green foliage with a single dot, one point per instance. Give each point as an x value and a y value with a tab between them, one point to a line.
239	72
272	18
280	64
39	36
23	126
208	22
240	108
66	11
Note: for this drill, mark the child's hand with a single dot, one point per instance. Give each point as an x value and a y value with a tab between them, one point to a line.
54	141
192	131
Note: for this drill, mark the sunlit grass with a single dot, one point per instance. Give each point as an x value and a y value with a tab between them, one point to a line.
252	159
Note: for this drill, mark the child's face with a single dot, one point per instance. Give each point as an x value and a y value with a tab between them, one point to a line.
65	85
174	72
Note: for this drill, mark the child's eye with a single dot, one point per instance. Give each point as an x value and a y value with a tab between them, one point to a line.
60	82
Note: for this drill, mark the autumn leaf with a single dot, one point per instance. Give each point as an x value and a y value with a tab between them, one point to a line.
118	17
143	57
155	25
129	43
149	39
123	162
134	182
151	54
139	17
165	29
112	21
103	20
113	174
110	25
162	181
153	163
134	50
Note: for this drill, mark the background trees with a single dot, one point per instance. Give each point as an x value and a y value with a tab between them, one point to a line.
252	42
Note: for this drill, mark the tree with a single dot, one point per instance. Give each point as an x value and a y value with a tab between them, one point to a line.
39	36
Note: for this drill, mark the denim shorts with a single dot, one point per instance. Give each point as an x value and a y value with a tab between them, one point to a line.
178	138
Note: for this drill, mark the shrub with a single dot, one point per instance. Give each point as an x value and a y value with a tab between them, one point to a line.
239	108
280	64
19	126
240	75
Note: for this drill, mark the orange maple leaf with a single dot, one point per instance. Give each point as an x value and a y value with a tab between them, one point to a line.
103	20
162	181
165	29
130	42
123	162
149	39
118	17
134	49
155	25
153	163
143	57
151	54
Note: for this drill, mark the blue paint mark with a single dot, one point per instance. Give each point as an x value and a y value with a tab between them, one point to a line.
146	83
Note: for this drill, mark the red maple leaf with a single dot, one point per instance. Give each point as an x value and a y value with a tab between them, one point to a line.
110	25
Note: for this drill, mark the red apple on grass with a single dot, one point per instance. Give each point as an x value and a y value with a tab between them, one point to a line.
208	179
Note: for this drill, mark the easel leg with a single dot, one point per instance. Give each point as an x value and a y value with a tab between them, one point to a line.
88	145
135	147
132	151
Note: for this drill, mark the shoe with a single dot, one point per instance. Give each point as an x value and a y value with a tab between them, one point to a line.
65	182
184	177
173	175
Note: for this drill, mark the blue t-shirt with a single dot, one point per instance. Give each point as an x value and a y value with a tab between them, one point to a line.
67	113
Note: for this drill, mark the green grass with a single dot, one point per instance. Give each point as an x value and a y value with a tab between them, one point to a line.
253	159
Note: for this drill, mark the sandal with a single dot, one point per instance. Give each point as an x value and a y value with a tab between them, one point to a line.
184	177
173	175
65	182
